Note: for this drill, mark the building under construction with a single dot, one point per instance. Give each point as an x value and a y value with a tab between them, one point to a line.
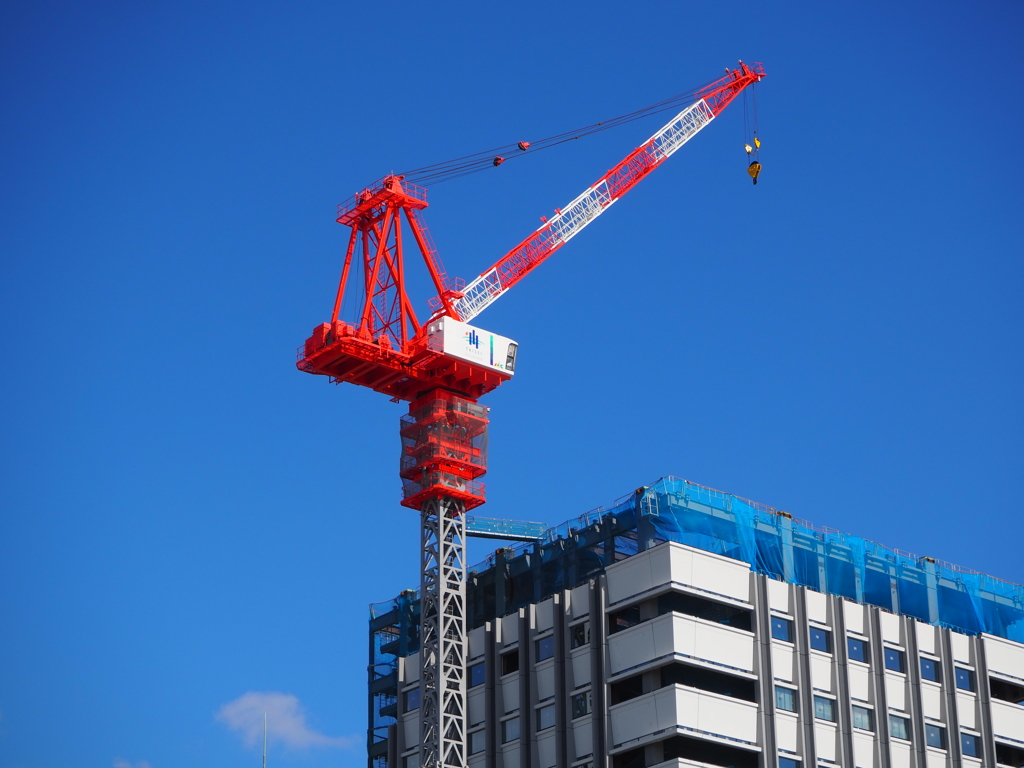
684	626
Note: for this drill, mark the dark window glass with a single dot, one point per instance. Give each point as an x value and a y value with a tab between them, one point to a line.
934	736
788	762
624	619
510	662
702	608
546	717
412	699
821	640
477	741
899	727
627	689
580	704
579	634
863	718
824	709
782	629
545	648
894	660
510	730
477	675
1006	691
930	670
857	649
785	699
709	680
969	745
964	679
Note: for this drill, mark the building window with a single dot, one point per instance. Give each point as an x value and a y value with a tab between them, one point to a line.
545	648
821	640
782	629
509	730
411	761
477	675
894	660
579	634
824	709
964	679
935	736
510	662
580	704
477	741
788	762
785	699
969	745
899	727
412	700
624	619
863	718
857	649
546	717
930	670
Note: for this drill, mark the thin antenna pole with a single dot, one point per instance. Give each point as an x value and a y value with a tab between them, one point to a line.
264	740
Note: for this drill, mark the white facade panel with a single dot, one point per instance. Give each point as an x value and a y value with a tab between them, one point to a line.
817	606
582	733
510	693
1004	657
961	647
579	601
854	615
675	705
635	575
580	668
410	668
786	732
677	634
931	701
509	629
936	758
477	638
1008	720
411	724
860	682
477	706
925	638
509	755
864	750
821	672
782	661
896	691
900	754
966	708
825	741
891	628
545	615
778	596
546	748
545	681
719	575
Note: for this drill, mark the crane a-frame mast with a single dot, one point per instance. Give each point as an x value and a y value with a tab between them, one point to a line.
442	367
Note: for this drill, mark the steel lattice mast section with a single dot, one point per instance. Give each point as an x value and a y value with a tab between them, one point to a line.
442	367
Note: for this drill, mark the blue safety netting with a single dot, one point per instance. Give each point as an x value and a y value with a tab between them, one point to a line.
783	547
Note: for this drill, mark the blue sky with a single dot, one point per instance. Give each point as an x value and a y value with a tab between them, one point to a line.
188	524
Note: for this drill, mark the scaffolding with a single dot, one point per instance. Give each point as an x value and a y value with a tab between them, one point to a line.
773	542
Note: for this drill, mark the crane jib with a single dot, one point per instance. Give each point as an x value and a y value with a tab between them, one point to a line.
571	220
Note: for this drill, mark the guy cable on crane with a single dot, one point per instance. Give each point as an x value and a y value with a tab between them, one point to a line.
444	365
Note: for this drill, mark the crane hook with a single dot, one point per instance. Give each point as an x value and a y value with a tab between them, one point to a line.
754	169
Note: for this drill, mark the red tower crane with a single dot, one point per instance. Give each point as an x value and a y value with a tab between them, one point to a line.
443	366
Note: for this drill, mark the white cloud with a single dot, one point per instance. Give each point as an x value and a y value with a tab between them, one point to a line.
126	764
286	722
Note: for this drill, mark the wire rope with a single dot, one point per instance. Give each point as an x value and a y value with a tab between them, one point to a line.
481	161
